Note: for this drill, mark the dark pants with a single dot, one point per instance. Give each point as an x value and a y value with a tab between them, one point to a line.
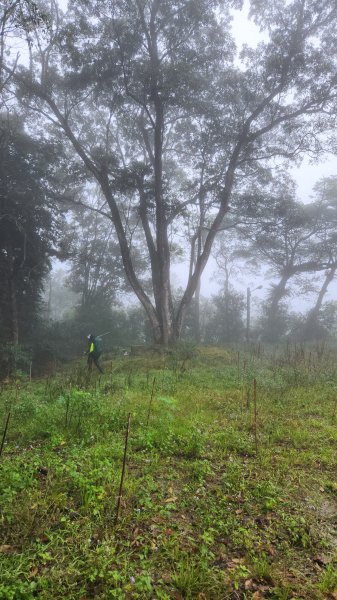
93	358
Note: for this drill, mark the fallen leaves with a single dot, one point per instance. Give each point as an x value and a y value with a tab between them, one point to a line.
171	500
171	496
7	549
258	595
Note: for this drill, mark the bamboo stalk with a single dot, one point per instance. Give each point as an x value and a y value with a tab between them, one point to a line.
123	470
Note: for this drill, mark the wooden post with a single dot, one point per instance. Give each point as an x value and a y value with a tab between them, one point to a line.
123	469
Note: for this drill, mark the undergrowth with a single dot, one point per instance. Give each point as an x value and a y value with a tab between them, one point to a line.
228	493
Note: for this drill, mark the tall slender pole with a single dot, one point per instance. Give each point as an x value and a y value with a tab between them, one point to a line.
255	416
248	315
123	469
150	403
4	433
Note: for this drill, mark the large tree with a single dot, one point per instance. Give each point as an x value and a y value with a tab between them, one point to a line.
141	89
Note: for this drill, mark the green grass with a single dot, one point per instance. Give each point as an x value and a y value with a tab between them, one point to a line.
202	514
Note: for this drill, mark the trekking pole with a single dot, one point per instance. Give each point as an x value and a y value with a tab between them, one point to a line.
103	334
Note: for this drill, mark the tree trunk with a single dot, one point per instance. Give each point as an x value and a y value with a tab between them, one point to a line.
14	321
14	313
197	313
278	293
313	314
163	249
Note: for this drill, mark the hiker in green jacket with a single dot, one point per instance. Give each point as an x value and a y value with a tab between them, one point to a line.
94	351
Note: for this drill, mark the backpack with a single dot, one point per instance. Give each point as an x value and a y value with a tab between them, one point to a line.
98	346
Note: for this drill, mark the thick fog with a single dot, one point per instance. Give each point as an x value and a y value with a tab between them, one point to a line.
168	178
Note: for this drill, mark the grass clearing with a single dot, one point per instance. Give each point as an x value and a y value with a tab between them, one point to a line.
202	514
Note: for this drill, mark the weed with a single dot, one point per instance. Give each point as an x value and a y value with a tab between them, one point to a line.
261	568
328	581
190	578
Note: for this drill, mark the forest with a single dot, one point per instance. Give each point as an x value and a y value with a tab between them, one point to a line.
139	141
150	153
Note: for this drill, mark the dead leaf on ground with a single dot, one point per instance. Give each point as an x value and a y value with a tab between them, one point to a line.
238	561
249	584
43	538
166	577
7	549
321	560
34	572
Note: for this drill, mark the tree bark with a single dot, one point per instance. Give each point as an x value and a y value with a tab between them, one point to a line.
163	250
278	293
313	314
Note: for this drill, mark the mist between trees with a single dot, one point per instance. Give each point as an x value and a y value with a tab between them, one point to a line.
136	136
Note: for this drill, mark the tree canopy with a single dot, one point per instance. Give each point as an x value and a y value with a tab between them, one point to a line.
157	106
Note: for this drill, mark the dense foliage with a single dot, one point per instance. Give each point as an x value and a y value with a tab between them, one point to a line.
27	227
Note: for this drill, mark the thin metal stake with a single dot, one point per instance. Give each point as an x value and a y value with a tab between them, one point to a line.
5	433
150	404
123	469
